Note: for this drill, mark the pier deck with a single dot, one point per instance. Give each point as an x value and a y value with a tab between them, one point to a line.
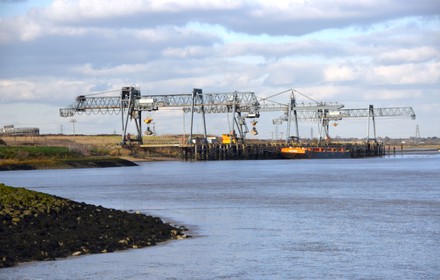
237	151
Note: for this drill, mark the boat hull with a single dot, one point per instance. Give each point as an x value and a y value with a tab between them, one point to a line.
314	153
345	154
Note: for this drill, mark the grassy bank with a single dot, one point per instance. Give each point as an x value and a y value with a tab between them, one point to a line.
43	157
87	145
38	226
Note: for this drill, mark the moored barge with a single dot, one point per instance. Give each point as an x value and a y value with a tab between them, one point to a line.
315	152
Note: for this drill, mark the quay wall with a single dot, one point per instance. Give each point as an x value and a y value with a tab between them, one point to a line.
237	151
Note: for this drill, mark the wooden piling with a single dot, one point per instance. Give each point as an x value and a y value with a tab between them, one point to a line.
252	151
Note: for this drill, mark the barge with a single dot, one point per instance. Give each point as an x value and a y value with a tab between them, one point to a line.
315	152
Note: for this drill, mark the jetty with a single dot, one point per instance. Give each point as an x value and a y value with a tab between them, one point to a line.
251	150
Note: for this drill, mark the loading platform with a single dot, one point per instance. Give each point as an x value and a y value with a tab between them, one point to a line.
251	151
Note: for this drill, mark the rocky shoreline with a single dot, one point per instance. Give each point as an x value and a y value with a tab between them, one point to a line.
37	226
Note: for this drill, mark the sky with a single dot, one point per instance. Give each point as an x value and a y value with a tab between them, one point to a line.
385	53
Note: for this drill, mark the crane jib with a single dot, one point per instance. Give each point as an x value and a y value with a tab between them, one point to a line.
130	104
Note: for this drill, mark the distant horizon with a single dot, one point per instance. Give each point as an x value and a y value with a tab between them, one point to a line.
214	135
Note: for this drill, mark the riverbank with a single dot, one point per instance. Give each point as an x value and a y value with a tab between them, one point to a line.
91	162
37	226
88	151
49	157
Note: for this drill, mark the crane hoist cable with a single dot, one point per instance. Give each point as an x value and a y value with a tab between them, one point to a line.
273	95
305	96
287	90
103	92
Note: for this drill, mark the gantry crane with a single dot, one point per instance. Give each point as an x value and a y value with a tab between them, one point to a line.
130	104
323	113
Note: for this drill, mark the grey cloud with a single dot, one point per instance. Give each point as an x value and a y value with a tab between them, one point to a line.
55	55
299	48
256	18
298	74
13	1
335	14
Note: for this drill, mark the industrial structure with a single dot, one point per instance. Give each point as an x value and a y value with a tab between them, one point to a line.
241	105
323	113
130	104
11	130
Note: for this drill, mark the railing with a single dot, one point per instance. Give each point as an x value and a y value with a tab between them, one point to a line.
161	141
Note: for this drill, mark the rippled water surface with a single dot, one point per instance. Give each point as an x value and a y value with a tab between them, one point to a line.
376	218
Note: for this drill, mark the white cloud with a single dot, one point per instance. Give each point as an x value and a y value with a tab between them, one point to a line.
19	28
68	11
418	54
327	93
396	74
40	91
290	72
186	52
301	9
17	90
406	74
120	70
392	95
341	73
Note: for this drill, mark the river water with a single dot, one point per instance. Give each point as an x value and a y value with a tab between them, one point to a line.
372	218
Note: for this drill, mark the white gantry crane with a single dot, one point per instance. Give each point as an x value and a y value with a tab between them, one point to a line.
323	113
130	104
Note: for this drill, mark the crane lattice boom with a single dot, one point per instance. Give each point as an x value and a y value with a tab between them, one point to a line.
212	103
379	112
130	104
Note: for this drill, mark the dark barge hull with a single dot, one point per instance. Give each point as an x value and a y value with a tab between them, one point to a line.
318	155
315	152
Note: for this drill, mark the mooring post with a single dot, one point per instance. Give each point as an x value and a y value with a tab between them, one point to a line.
195	152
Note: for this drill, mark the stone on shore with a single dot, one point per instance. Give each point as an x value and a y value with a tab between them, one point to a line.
38	226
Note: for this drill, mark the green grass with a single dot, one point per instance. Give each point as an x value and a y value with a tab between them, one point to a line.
13	199
38	152
44	157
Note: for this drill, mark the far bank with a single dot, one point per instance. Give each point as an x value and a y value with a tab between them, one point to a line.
49	157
